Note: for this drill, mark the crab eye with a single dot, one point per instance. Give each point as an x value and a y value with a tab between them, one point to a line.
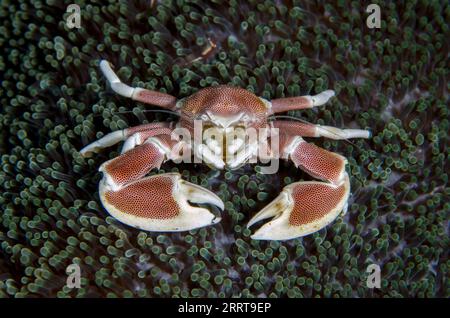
245	118
204	117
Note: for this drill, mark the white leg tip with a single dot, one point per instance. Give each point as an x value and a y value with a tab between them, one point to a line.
117	86
322	98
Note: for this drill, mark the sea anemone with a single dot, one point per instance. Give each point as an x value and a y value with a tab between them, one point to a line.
393	80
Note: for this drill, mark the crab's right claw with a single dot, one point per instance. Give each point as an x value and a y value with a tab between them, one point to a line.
160	203
301	209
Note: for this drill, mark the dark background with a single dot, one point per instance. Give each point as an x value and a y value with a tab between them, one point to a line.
54	101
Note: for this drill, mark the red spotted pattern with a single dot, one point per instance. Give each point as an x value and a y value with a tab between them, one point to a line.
155	98
295	128
144	135
290	103
319	162
134	164
314	201
145	127
225	100
149	198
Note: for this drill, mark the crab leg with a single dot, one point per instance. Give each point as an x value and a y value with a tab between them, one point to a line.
154	203
140	94
300	102
295	128
138	134
305	207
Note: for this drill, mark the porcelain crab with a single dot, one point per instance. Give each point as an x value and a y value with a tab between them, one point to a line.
164	202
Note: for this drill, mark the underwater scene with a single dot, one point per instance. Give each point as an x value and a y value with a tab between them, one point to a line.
95	201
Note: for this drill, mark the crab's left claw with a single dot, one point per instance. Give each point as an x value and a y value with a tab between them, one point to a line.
301	209
160	203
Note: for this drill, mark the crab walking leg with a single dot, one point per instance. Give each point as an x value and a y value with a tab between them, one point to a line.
295	128
300	102
140	94
140	137
142	131
154	203
306	207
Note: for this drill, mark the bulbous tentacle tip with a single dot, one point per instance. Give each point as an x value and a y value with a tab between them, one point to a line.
301	209
161	203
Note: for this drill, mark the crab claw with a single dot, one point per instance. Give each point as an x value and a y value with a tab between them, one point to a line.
302	208
160	203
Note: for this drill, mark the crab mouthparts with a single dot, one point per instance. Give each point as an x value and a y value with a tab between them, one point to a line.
229	147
